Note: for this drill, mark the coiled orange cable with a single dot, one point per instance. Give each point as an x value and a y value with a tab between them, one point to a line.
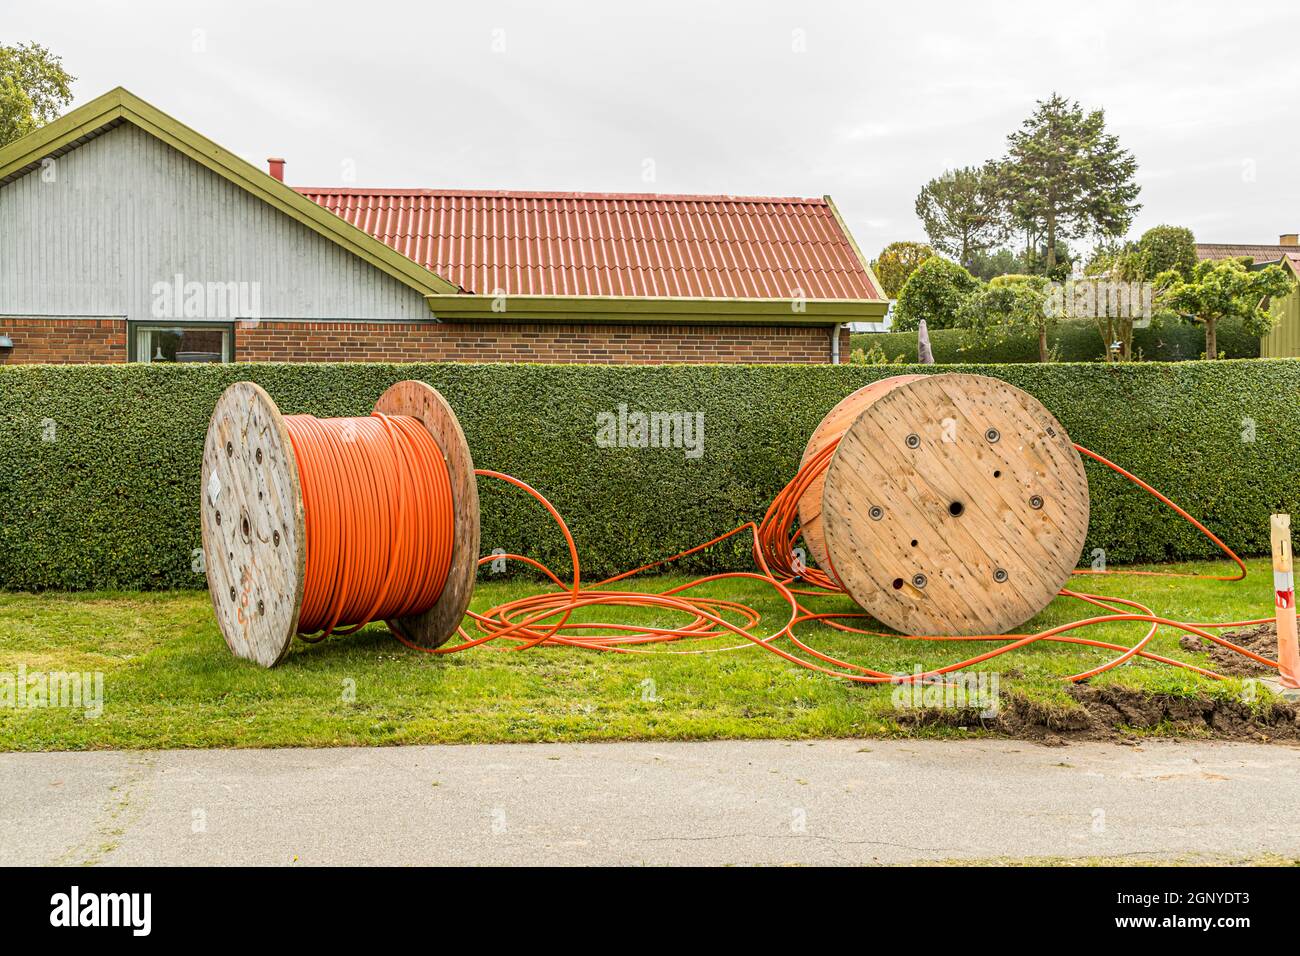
525	621
379	518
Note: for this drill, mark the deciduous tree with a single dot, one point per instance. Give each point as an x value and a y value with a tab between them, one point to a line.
1009	304
1222	289
896	262
1161	249
934	292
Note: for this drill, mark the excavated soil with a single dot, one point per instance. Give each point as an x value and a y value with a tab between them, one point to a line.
1117	713
1261	640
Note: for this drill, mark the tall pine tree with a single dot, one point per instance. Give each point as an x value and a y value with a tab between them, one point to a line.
1065	177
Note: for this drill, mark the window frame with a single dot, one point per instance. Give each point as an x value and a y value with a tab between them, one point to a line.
135	327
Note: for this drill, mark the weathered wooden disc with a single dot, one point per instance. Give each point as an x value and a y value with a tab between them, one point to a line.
837	420
955	504
422	401
254	538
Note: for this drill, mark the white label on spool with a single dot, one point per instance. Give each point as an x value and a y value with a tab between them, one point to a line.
214	487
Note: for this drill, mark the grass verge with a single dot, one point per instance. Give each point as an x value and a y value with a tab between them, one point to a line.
170	682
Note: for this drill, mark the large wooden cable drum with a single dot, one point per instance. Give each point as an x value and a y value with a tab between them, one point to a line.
953	504
253	519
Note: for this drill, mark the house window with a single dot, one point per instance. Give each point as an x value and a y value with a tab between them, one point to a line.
169	342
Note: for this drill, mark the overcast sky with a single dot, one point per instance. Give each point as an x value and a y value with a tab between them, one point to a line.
864	102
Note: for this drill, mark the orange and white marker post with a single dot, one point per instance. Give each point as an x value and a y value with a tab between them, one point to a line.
1288	654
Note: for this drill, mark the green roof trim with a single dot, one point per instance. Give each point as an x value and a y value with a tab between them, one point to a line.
119	105
653	310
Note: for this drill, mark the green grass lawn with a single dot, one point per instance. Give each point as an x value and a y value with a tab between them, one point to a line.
170	681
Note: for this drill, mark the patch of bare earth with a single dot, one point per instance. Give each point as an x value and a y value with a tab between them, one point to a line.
1260	639
1124	713
1120	713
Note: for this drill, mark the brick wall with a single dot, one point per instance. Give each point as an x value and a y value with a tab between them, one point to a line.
64	340
503	342
104	340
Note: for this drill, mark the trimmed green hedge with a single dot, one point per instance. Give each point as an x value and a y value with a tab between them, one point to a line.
1073	342
99	465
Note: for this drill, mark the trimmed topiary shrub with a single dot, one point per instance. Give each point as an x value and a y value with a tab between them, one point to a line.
1072	341
100	465
934	292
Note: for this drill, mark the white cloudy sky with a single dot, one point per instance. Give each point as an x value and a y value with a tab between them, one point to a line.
861	101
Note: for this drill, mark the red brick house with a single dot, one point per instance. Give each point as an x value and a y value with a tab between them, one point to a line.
127	236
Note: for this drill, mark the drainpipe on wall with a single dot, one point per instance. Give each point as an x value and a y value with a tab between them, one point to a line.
835	343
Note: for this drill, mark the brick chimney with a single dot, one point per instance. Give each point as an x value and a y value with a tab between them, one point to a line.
275	166
1289	239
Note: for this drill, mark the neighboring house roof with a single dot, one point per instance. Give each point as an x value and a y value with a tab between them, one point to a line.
1284	254
120	106
1221	250
615	244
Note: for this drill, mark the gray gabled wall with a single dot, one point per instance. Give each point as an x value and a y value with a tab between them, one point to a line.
92	235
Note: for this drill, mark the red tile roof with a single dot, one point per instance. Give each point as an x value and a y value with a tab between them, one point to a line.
609	244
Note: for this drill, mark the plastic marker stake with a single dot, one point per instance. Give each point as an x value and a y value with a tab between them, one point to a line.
1288	654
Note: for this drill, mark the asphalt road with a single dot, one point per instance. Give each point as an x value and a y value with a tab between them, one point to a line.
769	802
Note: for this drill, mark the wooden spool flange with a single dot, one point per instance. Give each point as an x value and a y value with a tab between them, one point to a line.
436	625
253	521
954	504
836	422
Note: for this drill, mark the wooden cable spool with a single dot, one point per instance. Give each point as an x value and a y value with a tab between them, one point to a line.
253	520
953	504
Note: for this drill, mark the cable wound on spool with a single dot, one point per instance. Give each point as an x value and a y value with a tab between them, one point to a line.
316	525
379	519
952	504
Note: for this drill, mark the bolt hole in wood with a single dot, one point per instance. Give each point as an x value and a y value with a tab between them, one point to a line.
956	508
